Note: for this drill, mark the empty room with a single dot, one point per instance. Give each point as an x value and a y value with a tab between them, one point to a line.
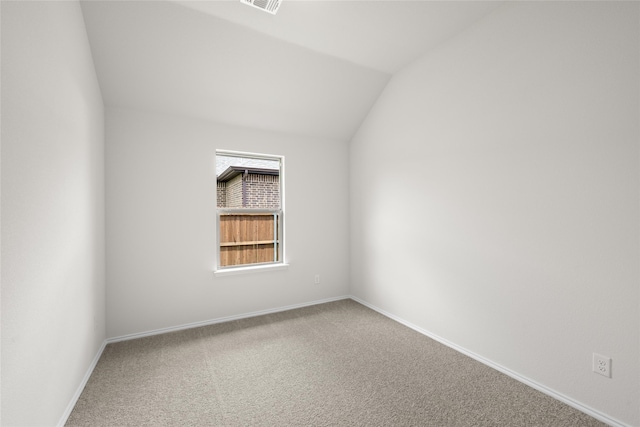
320	213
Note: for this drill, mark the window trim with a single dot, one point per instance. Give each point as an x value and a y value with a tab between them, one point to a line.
244	268
250	268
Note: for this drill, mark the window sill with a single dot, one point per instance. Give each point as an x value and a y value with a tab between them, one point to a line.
250	269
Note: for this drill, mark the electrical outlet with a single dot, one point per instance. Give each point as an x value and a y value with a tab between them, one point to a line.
316	279
602	365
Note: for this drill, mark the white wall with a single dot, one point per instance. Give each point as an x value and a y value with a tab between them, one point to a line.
495	197
160	217
53	296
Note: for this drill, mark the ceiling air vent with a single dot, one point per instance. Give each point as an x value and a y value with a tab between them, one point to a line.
270	6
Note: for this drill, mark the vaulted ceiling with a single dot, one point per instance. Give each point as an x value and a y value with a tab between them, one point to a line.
316	68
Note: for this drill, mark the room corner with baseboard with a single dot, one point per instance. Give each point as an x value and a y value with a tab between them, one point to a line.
469	170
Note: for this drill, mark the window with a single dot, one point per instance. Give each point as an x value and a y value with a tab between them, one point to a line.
250	209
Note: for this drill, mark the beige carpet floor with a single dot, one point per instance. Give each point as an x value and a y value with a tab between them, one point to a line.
334	364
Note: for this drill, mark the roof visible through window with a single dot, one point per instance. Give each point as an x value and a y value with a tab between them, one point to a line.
223	162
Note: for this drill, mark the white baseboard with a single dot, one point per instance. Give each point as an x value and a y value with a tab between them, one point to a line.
220	320
83	383
549	392
559	396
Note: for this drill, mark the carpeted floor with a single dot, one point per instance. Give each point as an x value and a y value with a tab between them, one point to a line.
334	364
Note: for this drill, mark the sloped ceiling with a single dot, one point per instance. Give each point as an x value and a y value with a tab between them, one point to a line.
315	68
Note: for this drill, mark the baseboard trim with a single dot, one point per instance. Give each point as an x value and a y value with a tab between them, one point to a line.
94	362
552	393
221	320
541	388
83	383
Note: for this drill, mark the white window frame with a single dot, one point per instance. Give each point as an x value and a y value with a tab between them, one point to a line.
281	238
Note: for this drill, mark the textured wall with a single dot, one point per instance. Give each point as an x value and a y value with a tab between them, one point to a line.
252	191
221	194
234	196
262	191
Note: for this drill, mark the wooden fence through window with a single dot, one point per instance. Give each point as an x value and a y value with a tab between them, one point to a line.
248	238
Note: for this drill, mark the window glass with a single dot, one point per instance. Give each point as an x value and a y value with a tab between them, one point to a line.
249	209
